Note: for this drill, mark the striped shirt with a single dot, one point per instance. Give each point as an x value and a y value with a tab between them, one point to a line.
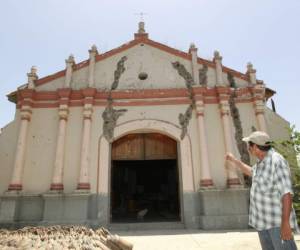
271	179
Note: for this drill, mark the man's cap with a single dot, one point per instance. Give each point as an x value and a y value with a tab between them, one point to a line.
259	138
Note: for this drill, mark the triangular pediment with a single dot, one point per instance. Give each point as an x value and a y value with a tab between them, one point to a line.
143	56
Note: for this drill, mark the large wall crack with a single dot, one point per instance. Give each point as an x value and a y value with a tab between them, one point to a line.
235	114
185	118
111	115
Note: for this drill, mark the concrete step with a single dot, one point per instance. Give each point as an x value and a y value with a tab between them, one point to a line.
145	226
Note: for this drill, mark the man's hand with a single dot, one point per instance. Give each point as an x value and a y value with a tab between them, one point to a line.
232	162
286	231
230	157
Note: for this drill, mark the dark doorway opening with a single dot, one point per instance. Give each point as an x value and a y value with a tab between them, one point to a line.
145	191
144	179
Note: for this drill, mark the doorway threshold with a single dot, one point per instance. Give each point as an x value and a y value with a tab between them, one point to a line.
145	226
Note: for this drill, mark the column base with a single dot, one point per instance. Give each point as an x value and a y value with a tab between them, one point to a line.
234	183
57	187
206	183
15	187
83	186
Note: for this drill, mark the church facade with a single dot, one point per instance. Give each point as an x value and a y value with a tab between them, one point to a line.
136	134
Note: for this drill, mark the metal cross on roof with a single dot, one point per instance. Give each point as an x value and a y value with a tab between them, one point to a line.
141	14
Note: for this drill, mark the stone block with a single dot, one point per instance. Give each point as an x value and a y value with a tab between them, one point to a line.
224	209
191	210
9	208
31	208
66	208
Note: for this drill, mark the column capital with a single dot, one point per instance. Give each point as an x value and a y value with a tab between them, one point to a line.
25	113
200	108
87	111
258	92
63	112
224	108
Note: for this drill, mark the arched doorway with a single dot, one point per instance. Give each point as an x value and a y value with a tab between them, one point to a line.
144	179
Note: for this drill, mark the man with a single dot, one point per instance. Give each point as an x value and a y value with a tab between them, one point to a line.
271	211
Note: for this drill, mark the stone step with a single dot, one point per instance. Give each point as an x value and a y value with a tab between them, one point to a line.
145	226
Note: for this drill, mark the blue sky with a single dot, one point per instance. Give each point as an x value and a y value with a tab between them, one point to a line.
44	32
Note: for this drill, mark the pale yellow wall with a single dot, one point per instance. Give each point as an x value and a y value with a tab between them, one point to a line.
240	83
156	63
40	150
8	143
73	149
248	118
42	136
277	126
96	131
52	85
215	141
140	58
211	77
80	79
167	113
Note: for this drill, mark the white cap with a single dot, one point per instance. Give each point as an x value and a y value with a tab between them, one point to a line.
259	138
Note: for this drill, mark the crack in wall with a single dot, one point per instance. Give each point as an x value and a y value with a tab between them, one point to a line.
185	118
111	115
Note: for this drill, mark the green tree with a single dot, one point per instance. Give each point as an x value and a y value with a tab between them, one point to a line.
290	149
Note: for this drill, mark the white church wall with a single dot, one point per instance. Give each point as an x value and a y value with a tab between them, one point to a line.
40	150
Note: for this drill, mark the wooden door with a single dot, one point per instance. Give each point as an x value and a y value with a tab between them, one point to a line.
151	146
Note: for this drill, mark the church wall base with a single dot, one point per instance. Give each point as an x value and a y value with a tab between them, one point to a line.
224	209
205	209
191	210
